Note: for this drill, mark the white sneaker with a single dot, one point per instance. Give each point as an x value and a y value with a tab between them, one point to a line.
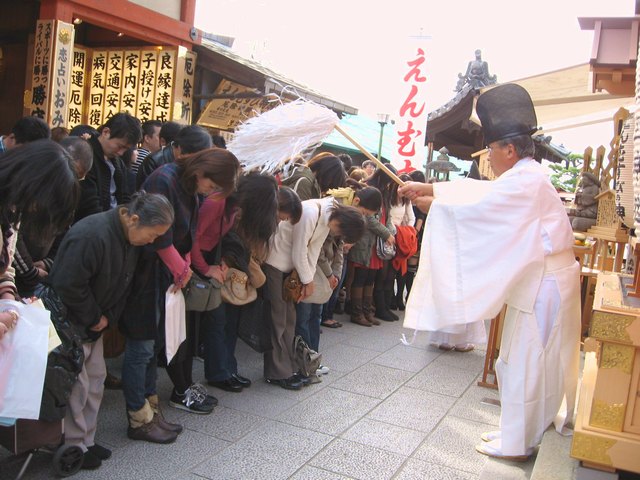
322	370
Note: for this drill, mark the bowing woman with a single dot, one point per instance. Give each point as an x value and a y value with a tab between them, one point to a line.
209	172
242	225
91	276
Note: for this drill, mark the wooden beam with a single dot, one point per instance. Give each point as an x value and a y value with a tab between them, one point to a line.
123	16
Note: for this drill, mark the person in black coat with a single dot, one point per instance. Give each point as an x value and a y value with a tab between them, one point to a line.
107	178
91	276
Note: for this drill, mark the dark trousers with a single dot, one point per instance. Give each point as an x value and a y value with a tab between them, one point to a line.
219	329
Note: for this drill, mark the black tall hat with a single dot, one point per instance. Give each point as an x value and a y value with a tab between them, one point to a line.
506	111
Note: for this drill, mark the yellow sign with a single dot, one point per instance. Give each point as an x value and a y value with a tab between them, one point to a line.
228	113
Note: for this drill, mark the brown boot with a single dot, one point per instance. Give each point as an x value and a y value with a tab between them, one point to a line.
143	426
368	310
356	313
159	417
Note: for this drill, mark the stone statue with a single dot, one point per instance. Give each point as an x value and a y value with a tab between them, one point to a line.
585	214
477	74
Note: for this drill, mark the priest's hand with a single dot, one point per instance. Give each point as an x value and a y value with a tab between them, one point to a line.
413	190
423	203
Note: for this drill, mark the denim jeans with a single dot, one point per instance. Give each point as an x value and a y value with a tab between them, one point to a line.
139	372
219	328
329	307
308	318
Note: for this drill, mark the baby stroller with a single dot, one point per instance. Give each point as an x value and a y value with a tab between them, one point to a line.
24	437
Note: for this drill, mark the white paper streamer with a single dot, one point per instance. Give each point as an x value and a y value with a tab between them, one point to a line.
268	141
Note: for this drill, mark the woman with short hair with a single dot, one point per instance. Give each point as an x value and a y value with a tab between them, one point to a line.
91	276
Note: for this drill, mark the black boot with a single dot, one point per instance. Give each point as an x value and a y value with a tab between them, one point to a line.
408	280
400	294
388	295
381	311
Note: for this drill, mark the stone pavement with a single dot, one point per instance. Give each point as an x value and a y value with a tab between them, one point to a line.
385	411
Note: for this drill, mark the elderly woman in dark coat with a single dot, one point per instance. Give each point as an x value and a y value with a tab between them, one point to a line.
91	276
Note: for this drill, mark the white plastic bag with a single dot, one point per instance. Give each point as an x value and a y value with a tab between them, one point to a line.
175	326
23	361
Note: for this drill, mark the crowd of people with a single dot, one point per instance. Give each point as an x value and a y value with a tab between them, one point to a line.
105	222
104	230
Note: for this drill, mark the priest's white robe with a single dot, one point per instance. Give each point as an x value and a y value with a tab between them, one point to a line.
508	241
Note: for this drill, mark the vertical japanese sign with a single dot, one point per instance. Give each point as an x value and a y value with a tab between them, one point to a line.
624	173
60	74
97	87
164	85
183	87
41	72
147	85
411	116
129	99
77	86
113	82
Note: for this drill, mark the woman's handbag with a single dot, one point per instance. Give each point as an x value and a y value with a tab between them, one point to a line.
237	289
384	250
202	294
321	289
292	287
307	360
254	324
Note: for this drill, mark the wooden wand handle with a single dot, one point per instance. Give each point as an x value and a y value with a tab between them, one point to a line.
382	166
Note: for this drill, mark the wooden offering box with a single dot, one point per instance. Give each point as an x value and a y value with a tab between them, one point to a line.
607	431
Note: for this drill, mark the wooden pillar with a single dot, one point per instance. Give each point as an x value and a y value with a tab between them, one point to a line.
56	9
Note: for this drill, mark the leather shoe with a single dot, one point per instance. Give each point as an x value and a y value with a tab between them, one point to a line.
291	383
111	382
244	381
169	427
229	385
99	451
90	461
151	432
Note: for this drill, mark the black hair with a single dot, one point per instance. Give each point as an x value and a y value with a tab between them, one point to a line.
257	198
350	222
149	126
38	189
289	203
192	139
219	141
30	129
152	209
370	198
418	176
128	158
328	171
80	130
346	160
124	125
80	151
169	131
387	186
